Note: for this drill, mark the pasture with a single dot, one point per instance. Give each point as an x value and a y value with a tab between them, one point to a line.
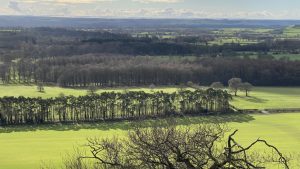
260	97
31	91
269	98
291	32
27	147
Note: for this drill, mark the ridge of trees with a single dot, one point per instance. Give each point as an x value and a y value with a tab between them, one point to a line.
111	106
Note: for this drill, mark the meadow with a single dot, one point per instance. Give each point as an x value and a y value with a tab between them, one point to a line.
260	97
28	147
269	98
31	91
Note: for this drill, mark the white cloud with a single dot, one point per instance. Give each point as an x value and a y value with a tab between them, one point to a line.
158	1
53	2
94	8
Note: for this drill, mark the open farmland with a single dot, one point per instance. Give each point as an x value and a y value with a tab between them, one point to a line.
269	98
260	97
49	143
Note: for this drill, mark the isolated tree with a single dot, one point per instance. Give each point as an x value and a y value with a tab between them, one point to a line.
190	84
217	85
234	85
178	148
247	87
152	87
92	90
40	87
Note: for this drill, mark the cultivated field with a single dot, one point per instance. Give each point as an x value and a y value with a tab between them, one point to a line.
28	147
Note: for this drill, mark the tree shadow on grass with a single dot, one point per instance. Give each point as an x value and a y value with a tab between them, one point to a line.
253	99
127	125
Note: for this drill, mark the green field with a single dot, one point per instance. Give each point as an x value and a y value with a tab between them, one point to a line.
28	147
31	91
293	57
291	32
269	98
260	98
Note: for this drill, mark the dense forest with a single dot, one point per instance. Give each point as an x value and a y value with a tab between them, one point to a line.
81	58
109	70
111	106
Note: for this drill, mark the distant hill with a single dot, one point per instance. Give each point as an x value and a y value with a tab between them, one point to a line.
33	21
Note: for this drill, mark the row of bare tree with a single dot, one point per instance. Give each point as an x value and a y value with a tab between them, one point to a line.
111	106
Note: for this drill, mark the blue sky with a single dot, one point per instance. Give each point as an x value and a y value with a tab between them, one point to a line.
249	9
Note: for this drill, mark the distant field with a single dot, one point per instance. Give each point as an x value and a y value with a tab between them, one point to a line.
27	147
289	56
260	98
223	41
268	98
31	91
291	32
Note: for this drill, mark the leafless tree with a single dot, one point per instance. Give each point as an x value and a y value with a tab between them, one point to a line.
247	87
180	148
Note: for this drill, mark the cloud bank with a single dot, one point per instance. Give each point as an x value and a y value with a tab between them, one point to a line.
101	8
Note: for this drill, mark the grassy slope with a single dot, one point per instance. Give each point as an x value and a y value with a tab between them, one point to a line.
27	147
269	97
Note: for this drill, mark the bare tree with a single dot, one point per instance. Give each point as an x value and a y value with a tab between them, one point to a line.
40	87
179	148
234	85
152	87
247	87
92	90
217	85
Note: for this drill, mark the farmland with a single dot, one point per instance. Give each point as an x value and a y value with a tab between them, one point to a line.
260	98
45	143
41	144
60	85
269	98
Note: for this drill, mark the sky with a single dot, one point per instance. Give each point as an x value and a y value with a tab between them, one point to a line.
232	9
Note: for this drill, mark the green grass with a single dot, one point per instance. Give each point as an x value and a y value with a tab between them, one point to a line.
260	98
293	57
31	91
28	147
291	32
269	98
223	40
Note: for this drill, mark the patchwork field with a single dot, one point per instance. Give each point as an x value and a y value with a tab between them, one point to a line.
28	147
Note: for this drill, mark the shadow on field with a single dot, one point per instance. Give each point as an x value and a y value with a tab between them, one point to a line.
254	99
127	125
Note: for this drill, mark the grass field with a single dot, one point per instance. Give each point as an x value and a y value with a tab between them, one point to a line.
260	98
28	147
291	32
31	91
269	98
293	57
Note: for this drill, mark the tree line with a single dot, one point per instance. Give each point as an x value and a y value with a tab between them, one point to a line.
111	106
49	42
119	70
